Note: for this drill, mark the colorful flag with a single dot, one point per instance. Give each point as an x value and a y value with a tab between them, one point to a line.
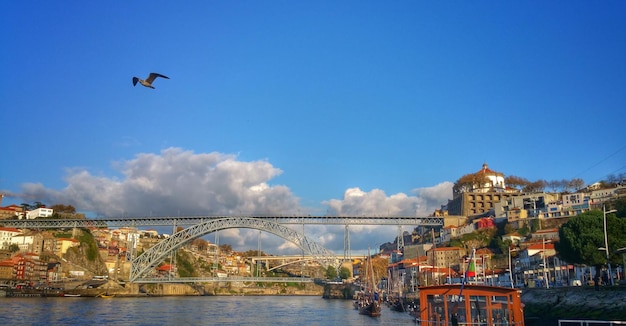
471	270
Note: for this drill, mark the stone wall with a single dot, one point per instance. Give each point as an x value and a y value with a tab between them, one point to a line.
609	303
339	291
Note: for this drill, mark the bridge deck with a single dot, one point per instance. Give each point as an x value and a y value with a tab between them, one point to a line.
192	220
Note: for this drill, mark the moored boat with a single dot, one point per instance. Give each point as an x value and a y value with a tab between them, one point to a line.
368	301
398	305
461	304
370	307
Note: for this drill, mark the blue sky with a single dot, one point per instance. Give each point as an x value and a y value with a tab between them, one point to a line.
338	107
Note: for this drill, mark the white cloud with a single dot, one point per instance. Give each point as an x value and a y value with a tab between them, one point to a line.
356	202
178	182
376	202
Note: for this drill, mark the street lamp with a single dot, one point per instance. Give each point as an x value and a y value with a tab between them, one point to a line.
606	242
510	270
543	254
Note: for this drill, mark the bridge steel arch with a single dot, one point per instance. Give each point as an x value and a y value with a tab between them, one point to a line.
148	261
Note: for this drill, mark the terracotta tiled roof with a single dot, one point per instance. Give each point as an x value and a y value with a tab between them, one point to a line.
540	246
483	251
487	170
166	267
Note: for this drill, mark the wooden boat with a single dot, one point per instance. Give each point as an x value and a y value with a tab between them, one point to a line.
398	305
105	295
370	308
368	301
464	304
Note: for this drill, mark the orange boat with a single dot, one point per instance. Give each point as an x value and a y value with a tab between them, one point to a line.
470	304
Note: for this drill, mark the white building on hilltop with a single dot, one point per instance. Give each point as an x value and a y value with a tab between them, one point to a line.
39	212
494	181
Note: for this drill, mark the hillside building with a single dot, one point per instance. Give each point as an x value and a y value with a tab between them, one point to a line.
39	212
11	211
446	257
480	198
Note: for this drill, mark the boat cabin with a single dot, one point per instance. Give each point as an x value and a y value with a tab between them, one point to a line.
469	304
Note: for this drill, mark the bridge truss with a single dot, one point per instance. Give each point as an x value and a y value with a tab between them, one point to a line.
202	225
148	261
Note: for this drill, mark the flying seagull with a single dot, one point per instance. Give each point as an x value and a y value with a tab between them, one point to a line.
149	80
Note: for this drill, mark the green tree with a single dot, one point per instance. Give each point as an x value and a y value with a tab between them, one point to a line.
25	207
583	234
91	248
535	225
60	208
497	243
184	264
478	239
344	272
524	230
620	206
13	248
331	273
456	243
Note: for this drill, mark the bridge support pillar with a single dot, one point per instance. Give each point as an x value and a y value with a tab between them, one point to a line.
347	252
400	238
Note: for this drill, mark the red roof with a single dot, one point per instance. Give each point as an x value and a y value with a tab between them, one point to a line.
487	170
540	246
483	251
166	267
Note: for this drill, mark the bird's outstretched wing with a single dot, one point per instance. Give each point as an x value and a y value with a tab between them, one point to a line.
135	80
154	75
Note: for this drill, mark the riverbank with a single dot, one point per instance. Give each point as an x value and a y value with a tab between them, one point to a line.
91	289
609	303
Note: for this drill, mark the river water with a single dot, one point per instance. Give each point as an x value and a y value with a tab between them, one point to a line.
205	310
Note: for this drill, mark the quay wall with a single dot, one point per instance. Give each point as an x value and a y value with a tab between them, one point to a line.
339	291
609	303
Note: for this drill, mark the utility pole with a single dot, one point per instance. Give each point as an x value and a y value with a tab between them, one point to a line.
606	243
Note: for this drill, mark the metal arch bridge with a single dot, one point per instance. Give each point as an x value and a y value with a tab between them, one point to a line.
203	225
149	260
